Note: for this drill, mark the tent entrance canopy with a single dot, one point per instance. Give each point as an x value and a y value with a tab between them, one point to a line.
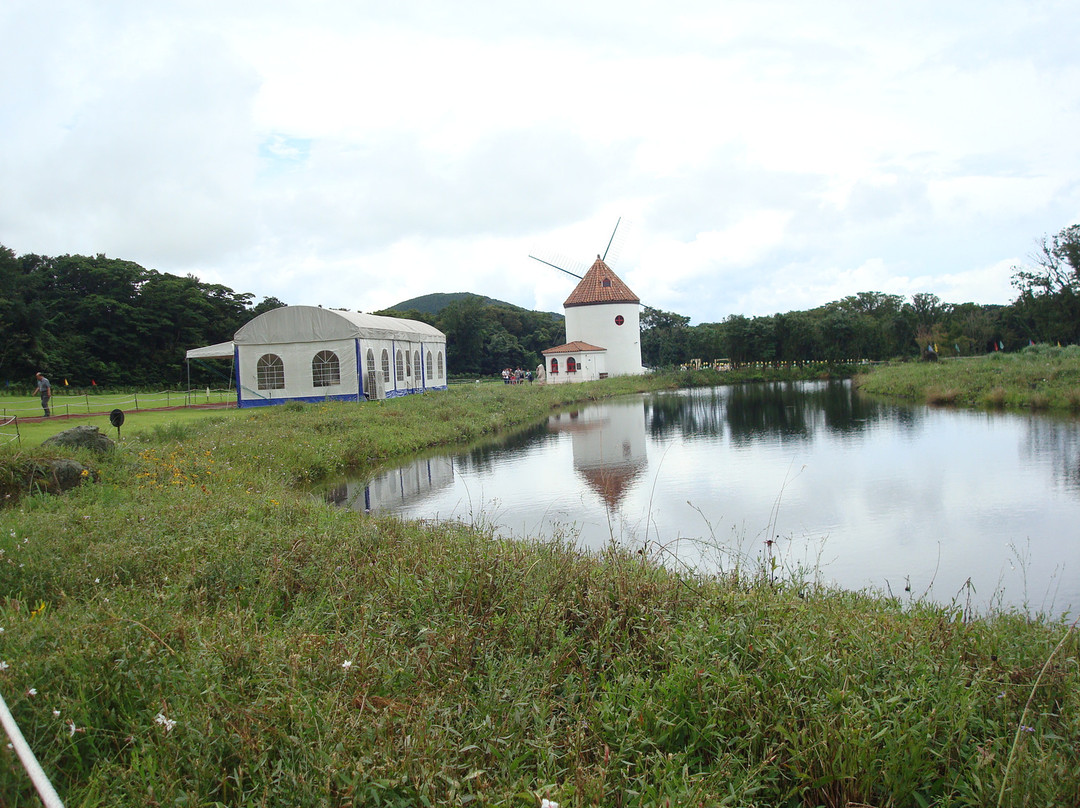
223	350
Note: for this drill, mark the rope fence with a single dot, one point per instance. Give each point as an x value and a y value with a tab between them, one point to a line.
86	404
9	429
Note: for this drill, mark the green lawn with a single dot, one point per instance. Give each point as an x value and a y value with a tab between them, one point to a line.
195	628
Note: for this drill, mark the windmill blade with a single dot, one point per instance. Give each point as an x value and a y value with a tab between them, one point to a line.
617	241
613	232
556	266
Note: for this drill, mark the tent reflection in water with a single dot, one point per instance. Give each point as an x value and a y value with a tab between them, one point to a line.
306	353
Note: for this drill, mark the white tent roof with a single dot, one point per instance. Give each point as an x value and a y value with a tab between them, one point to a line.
313	324
223	350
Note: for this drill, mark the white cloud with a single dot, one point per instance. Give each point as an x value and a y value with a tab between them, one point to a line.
772	156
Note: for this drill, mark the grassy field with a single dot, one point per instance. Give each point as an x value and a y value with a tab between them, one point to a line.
1040	377
195	629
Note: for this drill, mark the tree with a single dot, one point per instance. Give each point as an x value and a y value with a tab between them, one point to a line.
1048	308
664	337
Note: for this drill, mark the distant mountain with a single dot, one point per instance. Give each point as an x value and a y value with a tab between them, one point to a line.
437	301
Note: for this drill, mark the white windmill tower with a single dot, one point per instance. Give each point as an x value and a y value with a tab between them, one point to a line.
603	326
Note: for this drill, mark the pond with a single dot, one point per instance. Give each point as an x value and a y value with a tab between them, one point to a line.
813	479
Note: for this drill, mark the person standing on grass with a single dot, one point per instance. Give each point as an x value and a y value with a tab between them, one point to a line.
44	389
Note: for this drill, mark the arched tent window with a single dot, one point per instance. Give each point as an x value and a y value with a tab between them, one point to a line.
571	365
325	369
408	363
386	366
440	365
554	366
416	361
429	366
369	382
400	365
270	372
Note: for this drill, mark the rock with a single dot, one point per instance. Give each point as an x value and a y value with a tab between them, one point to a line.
60	475
81	437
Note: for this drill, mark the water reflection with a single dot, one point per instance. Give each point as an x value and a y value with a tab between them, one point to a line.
608	447
859	492
407	485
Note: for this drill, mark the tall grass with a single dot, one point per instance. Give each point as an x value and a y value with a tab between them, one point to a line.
1039	377
313	656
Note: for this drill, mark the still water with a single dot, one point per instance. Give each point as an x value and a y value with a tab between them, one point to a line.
977	508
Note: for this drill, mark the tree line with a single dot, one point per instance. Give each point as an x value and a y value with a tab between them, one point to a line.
877	326
106	321
112	322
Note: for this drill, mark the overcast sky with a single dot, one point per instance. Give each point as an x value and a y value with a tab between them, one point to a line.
768	155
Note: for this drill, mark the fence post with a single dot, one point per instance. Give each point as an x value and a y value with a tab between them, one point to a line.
136	401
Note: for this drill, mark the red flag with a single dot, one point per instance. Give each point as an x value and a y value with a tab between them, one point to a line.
93	383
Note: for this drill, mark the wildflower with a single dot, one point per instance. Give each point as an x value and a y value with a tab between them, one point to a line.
3	665
56	713
97	580
166	722
72	729
546	803
346	664
32	691
1027	729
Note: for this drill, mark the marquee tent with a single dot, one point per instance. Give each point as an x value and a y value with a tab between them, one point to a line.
306	353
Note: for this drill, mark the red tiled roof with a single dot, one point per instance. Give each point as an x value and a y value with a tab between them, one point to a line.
577	346
600	285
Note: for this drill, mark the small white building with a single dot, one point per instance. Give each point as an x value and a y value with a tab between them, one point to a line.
603	330
575	362
306	353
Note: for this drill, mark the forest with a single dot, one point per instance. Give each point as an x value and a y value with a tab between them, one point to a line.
98	321
878	326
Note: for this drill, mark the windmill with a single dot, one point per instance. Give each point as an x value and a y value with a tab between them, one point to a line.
602	321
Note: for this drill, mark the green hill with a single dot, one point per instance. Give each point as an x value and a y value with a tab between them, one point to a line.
437	301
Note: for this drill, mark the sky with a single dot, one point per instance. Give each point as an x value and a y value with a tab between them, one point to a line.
762	156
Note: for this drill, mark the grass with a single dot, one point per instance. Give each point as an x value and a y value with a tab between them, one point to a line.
313	656
1040	377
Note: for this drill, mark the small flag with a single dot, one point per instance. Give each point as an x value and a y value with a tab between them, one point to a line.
92	382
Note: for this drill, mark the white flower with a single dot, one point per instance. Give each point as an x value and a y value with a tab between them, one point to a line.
168	723
346	664
3	665
32	691
56	713
546	803
97	580
1	629
71	728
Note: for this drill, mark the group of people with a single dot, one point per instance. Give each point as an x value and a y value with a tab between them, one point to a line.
516	375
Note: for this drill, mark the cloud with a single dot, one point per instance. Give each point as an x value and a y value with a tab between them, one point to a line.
771	156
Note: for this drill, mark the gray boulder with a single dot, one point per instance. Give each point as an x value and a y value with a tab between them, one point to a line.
81	437
55	476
